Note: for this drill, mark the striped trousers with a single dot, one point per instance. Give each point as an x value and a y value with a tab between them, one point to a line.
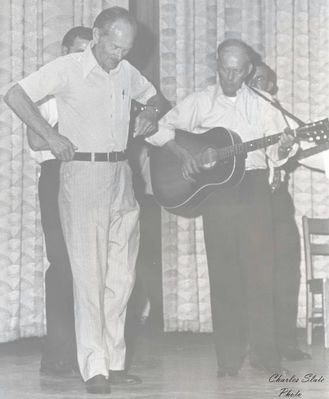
100	219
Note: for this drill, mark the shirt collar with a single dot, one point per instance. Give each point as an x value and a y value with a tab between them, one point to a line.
219	90
89	62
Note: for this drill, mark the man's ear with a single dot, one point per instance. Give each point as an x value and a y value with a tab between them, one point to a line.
251	72
270	86
250	69
65	50
96	35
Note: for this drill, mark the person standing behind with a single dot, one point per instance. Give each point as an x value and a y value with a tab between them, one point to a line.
238	221
59	355
286	243
98	210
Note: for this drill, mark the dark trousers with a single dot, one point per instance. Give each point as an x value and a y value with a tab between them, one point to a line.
287	267
148	284
239	244
60	344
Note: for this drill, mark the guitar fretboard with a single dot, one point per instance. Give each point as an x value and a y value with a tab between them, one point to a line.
244	148
311	132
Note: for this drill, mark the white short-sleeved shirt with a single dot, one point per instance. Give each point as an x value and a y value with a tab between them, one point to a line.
93	105
318	161
247	114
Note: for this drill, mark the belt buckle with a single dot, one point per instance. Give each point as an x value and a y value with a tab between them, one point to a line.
92	157
113	156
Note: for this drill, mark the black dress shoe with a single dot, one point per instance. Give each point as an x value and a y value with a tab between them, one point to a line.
121	377
295	354
98	385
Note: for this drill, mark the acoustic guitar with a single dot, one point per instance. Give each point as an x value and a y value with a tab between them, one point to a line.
222	155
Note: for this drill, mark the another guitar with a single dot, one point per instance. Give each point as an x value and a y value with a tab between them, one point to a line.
222	154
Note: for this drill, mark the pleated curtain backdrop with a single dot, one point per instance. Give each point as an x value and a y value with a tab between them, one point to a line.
30	33
293	38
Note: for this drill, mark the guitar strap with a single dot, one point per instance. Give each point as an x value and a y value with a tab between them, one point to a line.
277	175
302	153
275	103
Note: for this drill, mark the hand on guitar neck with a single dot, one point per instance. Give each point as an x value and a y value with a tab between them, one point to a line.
285	143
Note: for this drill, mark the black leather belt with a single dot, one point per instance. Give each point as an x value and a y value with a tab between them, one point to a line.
100	156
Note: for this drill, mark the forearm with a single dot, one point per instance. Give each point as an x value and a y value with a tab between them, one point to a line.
146	122
17	99
36	142
176	149
159	104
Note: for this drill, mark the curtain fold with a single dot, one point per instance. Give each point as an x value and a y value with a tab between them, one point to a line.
292	37
31	32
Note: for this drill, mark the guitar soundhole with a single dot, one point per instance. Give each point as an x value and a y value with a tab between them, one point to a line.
209	158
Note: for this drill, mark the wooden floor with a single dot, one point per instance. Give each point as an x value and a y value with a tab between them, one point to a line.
172	365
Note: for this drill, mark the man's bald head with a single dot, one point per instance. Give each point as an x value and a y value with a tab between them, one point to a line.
234	64
113	36
235	45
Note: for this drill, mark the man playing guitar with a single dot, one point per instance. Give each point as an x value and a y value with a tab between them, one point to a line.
238	221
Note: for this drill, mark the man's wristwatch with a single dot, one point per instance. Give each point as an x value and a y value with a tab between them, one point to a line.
152	107
285	149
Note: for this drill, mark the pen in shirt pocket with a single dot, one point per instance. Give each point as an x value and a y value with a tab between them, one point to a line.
123	103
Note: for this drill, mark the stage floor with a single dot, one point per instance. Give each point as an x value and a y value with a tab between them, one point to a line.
172	365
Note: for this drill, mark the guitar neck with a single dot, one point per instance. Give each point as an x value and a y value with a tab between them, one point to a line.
314	132
249	146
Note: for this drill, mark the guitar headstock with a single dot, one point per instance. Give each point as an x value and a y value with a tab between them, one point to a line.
314	132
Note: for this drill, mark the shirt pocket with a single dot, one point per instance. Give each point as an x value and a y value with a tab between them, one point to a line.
125	104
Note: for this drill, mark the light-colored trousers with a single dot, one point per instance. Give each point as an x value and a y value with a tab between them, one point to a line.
100	219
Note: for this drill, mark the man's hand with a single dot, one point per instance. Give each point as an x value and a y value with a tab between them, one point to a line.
190	164
190	167
146	123
285	144
61	147
29	113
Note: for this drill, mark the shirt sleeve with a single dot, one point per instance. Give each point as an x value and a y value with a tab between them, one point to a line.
318	161
48	110
48	80
141	89
186	116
